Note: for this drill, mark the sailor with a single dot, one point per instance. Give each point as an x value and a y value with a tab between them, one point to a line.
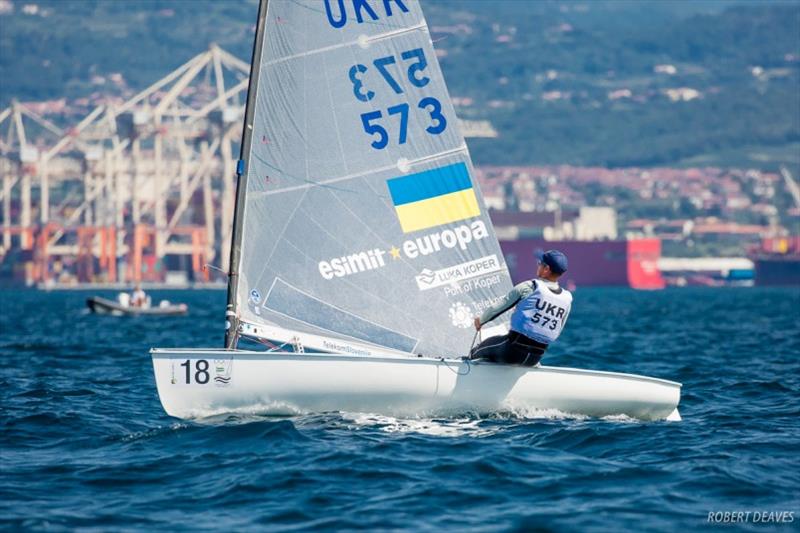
542	309
138	297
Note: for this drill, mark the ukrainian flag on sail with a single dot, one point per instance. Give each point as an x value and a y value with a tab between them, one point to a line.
434	197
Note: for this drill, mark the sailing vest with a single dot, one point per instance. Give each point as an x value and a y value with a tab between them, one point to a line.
541	316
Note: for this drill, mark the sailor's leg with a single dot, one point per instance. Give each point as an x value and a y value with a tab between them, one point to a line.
492	349
530	357
520	354
523	351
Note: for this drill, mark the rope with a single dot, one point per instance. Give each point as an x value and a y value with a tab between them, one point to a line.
265	342
474	338
452	369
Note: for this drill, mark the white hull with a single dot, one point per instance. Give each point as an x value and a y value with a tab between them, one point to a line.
288	383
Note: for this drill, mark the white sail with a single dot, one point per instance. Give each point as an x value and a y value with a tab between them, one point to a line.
361	220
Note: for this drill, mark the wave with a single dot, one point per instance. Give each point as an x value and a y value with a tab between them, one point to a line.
258	410
439	427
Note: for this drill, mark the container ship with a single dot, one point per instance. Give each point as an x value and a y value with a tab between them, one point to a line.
777	262
589	238
630	262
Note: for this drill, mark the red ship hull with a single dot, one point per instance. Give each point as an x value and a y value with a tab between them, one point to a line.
631	263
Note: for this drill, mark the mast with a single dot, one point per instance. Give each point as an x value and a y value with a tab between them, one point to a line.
231	313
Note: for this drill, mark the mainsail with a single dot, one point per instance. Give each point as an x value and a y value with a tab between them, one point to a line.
360	220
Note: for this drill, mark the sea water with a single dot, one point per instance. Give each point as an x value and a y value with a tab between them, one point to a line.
86	445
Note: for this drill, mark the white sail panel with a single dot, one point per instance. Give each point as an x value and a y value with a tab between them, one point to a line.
361	217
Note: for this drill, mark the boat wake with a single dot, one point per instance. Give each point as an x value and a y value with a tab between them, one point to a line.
153	432
471	425
443	425
524	412
245	413
468	425
438	427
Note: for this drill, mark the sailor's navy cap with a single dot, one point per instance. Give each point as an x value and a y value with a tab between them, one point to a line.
556	260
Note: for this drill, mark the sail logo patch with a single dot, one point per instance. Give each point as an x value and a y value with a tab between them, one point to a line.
222	372
433	197
460	315
255	297
430	243
429	279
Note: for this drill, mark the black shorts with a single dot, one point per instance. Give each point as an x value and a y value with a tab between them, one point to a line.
510	349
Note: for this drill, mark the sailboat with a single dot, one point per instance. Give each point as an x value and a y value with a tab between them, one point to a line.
361	246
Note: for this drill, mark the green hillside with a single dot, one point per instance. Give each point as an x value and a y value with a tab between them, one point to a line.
562	82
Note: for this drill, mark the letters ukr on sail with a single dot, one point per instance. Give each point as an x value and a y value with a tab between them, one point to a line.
362	220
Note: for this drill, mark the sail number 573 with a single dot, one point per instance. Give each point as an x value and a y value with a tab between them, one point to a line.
371	122
379	122
416	64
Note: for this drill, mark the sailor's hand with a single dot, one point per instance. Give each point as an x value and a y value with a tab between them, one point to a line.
477	324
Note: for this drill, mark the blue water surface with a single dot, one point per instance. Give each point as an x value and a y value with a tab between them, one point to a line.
86	445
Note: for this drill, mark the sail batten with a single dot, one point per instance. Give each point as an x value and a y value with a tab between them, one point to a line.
362	220
362	41
402	166
389	34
